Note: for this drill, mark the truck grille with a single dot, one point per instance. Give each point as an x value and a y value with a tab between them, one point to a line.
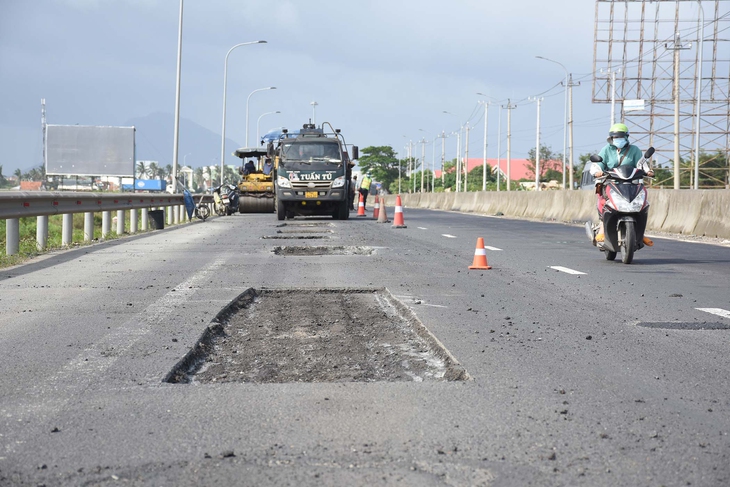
305	185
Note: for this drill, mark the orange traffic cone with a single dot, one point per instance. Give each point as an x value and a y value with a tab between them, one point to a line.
480	256
398	219
361	207
376	208
382	215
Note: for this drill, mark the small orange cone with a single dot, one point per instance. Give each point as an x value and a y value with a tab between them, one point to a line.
398	219
480	256
376	208
382	216
361	207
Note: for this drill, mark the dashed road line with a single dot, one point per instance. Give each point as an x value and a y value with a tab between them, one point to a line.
566	270
716	311
491	248
448	236
422	228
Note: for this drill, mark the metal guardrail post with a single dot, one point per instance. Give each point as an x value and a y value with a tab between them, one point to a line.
12	236
145	218
120	222
88	226
106	223
41	232
133	217
67	229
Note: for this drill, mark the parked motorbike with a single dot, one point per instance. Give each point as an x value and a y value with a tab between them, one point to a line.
625	212
233	198
201	209
220	200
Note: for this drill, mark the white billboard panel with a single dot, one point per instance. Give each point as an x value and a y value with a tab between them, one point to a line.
84	150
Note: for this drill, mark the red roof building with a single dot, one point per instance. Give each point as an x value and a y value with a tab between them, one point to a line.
518	167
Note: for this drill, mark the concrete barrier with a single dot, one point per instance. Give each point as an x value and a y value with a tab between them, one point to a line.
701	213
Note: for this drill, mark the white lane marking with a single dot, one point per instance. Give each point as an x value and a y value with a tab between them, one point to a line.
566	270
434	305
448	236
716	311
422	228
491	248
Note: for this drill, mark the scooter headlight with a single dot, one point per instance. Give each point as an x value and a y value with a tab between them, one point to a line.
338	182
633	206
283	182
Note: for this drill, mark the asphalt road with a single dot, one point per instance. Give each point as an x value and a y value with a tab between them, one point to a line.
566	388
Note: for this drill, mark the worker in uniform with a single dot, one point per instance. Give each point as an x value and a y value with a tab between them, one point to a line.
365	188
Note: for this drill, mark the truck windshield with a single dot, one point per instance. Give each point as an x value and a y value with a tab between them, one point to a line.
312	151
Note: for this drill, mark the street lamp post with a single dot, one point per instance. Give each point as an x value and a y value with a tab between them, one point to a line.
565	117
177	99
247	100
258	137
537	147
484	164
225	84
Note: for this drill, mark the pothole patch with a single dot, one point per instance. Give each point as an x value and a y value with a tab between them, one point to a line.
316	335
304	224
684	325
304	230
299	237
321	250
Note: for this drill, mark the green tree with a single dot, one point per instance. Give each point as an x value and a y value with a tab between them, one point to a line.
142	169
18	174
153	170
550	164
382	164
475	179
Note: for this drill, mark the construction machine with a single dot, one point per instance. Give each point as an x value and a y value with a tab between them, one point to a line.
312	173
257	181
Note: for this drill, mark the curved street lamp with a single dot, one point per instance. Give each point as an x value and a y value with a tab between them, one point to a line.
225	83
258	138
565	121
247	99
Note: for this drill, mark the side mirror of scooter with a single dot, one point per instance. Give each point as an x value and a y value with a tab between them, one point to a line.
596	158
649	152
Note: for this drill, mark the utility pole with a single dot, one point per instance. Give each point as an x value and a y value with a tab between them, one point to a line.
509	109
423	160
537	147
570	129
484	163
443	156
499	146
676	48
177	102
466	159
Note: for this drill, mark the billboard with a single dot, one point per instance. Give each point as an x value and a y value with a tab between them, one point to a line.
83	150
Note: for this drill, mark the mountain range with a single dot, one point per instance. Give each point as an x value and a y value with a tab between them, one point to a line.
197	145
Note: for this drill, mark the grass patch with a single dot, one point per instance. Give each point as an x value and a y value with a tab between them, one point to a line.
28	248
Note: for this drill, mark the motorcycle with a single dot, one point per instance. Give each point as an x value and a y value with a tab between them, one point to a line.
625	212
233	198
201	209
225	199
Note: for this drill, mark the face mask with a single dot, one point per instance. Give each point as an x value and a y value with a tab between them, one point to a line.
620	143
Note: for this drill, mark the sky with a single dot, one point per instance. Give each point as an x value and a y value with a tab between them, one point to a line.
384	72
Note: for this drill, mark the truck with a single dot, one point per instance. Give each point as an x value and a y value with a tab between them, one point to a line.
312	173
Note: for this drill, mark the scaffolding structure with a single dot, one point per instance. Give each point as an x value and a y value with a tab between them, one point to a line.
649	56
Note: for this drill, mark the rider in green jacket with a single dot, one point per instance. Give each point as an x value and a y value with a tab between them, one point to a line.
618	152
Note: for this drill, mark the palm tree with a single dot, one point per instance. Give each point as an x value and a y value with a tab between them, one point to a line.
142	169
18	174
153	170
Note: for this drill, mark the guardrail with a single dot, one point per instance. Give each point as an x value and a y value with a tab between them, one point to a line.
42	204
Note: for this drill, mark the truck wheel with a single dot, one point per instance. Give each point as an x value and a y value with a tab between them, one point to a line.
344	211
280	210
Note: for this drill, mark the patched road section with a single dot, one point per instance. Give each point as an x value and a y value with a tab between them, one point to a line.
316	335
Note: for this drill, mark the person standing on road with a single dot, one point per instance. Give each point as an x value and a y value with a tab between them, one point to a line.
618	152
353	185
365	188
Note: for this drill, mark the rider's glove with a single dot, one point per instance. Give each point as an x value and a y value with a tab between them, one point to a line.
598	174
